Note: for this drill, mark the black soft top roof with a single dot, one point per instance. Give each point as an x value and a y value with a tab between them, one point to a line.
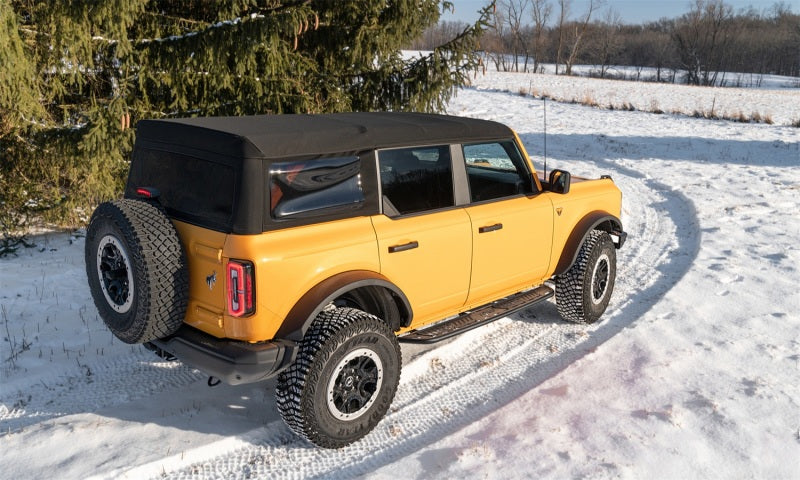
276	136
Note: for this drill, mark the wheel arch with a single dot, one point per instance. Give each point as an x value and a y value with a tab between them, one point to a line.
373	292
597	220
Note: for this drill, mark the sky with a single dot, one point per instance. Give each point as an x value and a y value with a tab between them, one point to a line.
631	11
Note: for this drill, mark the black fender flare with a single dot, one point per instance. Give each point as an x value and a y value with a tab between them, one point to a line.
597	220
299	319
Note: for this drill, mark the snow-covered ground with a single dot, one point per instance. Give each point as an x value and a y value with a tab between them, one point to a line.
694	371
650	74
780	106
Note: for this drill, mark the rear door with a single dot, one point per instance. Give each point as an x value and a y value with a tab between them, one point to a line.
511	224
424	240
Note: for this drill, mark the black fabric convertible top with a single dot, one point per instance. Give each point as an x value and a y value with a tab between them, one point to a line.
276	136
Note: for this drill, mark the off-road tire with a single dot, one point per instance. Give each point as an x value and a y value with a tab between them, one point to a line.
308	391
137	270
583	292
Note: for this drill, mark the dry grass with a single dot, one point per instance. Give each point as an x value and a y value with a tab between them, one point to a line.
654	107
740	117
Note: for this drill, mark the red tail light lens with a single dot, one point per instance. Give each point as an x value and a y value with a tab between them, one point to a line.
241	296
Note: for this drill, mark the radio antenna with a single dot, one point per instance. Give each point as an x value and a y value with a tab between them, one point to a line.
544	99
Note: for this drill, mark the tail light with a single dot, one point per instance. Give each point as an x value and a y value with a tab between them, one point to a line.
241	296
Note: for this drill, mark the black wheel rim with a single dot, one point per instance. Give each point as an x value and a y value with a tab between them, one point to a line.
115	275
354	384
600	279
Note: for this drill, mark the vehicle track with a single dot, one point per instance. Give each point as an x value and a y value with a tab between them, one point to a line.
90	386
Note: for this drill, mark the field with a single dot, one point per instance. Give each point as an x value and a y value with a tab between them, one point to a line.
693	371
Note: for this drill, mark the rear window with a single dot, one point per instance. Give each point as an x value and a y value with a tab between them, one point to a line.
192	189
314	187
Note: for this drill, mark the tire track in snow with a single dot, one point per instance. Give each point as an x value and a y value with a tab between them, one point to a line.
91	386
450	386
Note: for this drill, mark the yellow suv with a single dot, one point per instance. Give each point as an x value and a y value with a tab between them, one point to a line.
307	246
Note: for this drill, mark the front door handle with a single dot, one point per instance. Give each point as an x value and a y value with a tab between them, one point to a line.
490	228
403	247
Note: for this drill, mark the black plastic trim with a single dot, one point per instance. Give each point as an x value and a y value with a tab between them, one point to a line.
306	309
595	220
234	362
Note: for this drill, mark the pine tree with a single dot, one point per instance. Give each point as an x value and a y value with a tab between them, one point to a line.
75	74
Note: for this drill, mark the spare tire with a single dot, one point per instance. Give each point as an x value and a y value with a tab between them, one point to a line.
137	270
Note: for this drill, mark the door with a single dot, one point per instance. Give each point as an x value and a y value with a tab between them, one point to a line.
424	240
511	225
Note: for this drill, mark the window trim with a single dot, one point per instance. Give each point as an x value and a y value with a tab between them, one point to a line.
369	206
304	166
527	170
382	207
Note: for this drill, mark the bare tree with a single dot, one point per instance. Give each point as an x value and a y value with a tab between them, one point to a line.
704	43
606	42
563	14
702	36
577	32
494	41
540	11
514	12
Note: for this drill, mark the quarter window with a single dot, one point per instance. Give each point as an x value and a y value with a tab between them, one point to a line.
310	187
496	170
416	179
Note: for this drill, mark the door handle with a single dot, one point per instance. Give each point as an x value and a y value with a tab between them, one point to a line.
490	228
403	247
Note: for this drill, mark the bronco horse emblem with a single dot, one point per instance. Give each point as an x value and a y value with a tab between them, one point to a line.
211	280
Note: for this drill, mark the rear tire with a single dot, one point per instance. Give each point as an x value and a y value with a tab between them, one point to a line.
583	292
343	379
137	270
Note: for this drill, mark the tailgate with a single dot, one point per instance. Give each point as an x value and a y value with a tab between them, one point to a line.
203	249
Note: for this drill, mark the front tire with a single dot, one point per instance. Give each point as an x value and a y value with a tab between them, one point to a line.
343	380
583	292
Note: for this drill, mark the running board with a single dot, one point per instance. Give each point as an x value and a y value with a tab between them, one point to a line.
480	316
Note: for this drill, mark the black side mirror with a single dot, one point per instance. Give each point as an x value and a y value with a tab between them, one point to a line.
559	181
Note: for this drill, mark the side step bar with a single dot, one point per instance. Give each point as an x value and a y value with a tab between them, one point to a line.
480	316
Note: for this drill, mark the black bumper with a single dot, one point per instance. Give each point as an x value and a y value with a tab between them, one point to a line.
233	362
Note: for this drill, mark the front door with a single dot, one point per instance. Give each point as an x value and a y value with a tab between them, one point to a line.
512	226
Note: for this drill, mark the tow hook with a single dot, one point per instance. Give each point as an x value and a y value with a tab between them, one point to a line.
213	381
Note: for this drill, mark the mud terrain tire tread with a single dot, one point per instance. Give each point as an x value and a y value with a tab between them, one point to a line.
574	287
300	391
160	270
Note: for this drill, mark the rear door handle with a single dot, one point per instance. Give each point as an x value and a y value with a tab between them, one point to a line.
490	228
403	247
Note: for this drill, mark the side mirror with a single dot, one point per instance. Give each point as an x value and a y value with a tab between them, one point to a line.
559	181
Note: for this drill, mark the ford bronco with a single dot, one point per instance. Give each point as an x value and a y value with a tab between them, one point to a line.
307	246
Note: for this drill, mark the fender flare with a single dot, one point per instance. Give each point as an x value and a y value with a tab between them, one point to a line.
597	220
299	319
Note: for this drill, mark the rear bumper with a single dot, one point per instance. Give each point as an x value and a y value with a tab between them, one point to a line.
234	362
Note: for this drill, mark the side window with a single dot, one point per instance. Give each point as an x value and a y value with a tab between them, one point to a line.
305	188
496	170
416	179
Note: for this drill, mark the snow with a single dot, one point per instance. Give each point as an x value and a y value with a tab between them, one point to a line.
692	372
650	74
780	106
